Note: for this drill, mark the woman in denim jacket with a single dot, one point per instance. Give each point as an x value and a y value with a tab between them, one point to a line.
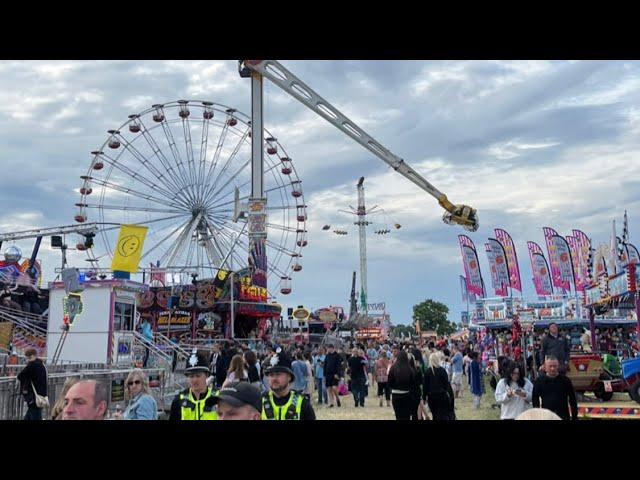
141	406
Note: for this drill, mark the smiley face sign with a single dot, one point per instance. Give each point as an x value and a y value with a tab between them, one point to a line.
128	248
128	245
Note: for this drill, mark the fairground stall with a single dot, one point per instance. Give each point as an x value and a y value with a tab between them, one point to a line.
93	325
197	313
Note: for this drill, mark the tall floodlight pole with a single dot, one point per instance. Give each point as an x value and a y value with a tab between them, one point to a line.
362	233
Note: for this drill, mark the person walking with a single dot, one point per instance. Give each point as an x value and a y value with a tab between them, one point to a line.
332	374
300	372
475	380
237	371
358	373
308	391
252	365
556	345
554	391
217	366
514	392
318	362
381	372
147	333
33	385
402	381
437	390
456	372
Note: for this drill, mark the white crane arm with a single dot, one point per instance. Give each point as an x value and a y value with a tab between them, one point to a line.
295	87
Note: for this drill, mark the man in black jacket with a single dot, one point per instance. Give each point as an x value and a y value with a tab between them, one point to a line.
217	367
33	376
554	391
332	373
557	346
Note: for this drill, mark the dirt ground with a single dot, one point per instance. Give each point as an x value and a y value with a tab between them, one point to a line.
372	410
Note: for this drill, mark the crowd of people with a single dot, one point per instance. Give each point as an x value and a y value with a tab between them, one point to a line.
277	382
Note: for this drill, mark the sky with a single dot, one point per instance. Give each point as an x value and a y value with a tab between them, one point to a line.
528	144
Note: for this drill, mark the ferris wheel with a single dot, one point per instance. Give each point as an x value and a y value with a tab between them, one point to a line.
181	169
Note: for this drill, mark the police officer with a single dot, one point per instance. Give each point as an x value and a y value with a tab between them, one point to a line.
196	402
280	402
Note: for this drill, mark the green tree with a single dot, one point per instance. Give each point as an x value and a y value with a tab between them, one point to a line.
432	315
407	330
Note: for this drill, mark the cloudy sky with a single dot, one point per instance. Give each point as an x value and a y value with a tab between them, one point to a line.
527	143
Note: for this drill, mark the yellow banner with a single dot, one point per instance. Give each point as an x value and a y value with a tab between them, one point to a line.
126	255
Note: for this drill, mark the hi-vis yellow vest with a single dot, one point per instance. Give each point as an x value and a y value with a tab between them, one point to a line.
192	409
270	411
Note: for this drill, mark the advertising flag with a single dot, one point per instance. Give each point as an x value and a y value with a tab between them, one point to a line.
563	255
463	288
495	283
512	259
632	253
554	260
584	247
575	260
471	266
540	269
501	264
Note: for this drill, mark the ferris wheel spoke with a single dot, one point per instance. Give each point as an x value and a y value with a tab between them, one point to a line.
131	209
172	190
213	253
220	175
281	227
193	243
155	220
216	154
157	151
186	233
173	232
274	208
235	240
233	227
136	175
211	197
204	142
271	264
178	159
215	196
211	207
190	158
135	193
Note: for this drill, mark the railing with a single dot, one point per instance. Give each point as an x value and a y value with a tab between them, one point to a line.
153	348
167	342
25	332
29	317
13	406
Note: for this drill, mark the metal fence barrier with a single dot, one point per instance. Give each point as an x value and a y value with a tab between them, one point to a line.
13	406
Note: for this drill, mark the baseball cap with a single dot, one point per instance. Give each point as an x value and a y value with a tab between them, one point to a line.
239	394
